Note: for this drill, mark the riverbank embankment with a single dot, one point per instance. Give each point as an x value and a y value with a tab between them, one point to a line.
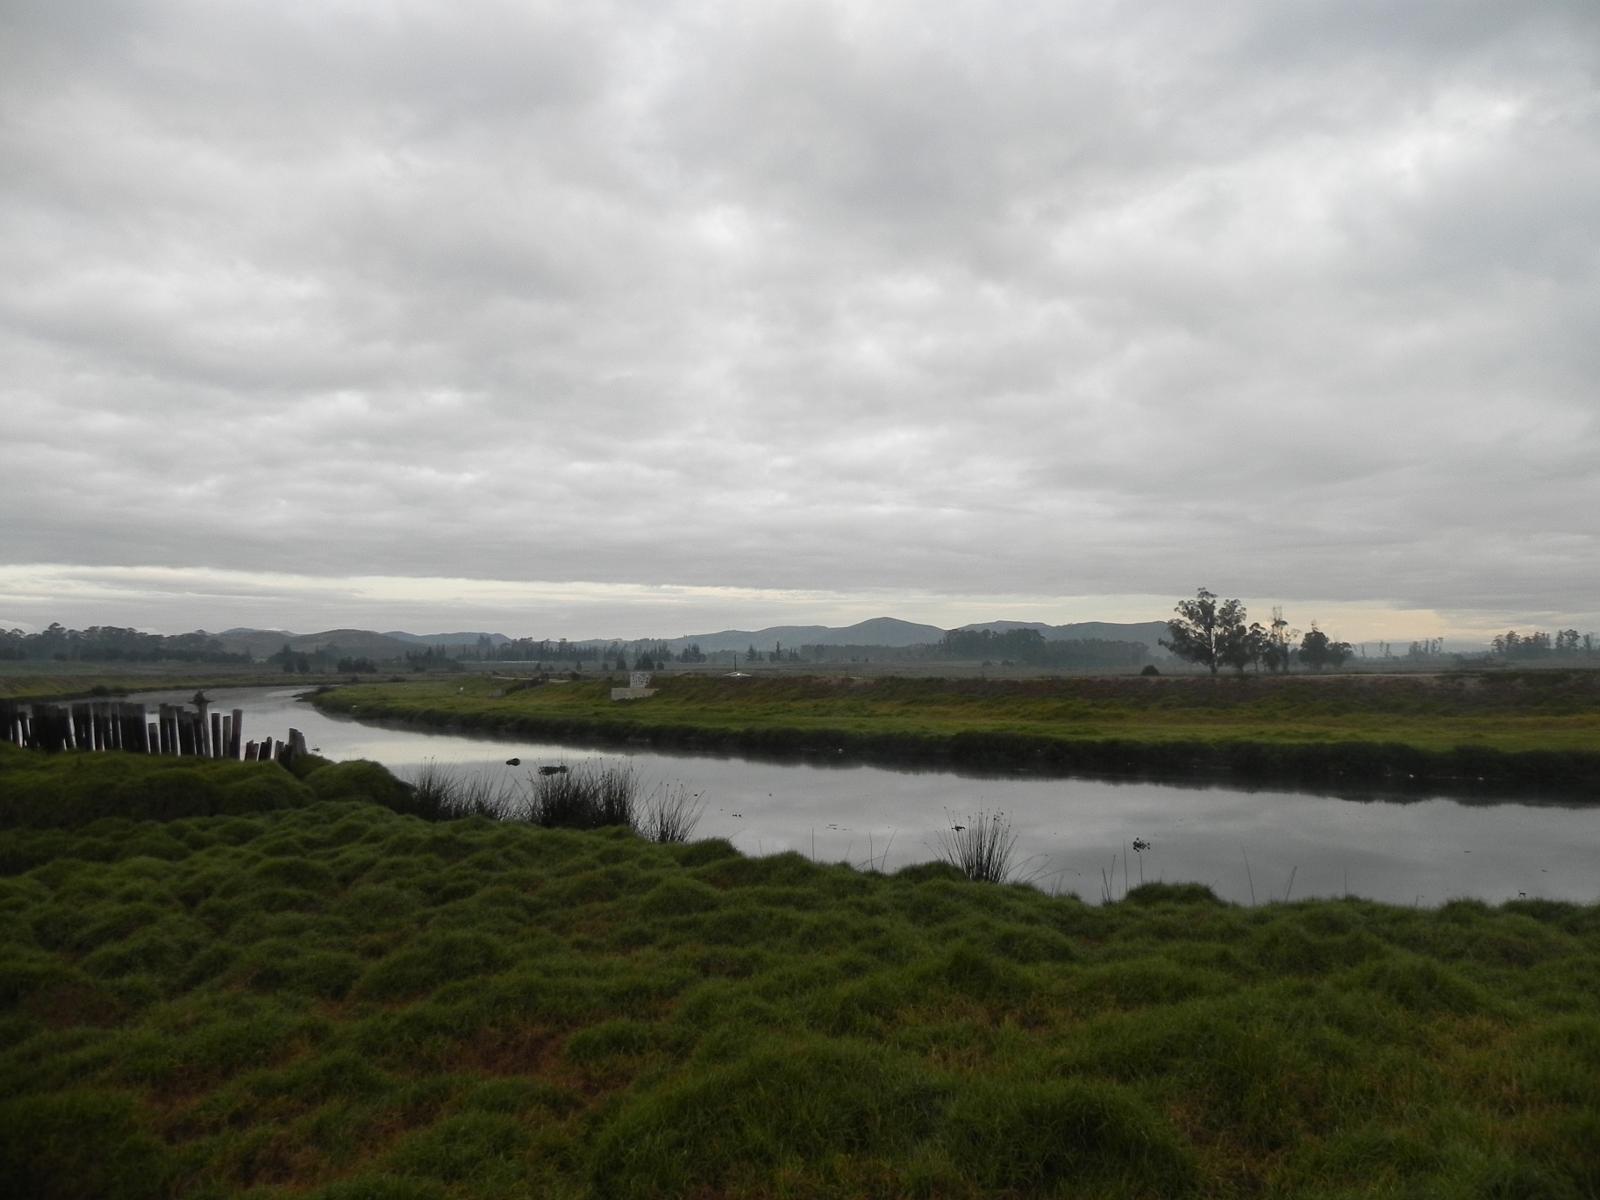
254	983
1499	732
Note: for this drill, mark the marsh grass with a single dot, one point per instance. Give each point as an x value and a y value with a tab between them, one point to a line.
591	795
982	847
338	1000
670	813
444	793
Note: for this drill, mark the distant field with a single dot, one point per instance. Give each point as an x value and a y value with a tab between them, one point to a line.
1297	720
37	680
331	1001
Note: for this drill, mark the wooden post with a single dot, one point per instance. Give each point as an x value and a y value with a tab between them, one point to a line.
133	727
216	735
152	738
238	729
52	727
249	752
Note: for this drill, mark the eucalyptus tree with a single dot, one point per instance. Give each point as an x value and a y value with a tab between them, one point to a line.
1209	633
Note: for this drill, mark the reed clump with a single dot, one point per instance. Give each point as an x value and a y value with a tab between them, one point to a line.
982	846
670	813
442	793
591	795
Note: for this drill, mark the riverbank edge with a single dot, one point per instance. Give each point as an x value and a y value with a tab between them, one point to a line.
1187	1029
123	686
1467	771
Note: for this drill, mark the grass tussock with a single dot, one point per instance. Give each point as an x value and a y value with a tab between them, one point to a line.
443	794
592	795
670	813
334	999
982	847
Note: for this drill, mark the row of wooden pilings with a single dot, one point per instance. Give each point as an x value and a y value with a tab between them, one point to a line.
120	725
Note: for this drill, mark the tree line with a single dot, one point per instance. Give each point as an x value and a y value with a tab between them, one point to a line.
111	643
1512	644
1215	635
1032	647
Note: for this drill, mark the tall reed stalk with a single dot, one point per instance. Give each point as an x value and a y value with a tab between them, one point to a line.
441	793
589	796
981	848
669	814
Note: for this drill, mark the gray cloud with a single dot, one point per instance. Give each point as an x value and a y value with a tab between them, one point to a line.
926	300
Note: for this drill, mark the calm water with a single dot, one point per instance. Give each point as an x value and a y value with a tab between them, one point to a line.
1070	831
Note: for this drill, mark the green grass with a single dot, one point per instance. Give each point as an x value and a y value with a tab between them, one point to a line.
337	1000
1528	727
52	680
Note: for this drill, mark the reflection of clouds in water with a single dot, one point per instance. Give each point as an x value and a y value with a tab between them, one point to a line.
1068	830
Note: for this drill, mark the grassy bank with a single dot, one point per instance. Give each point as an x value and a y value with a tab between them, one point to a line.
333	1000
1538	729
66	680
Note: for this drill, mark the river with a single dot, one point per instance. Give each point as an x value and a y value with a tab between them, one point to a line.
1073	835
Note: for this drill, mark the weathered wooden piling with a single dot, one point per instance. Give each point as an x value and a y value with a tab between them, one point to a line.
123	725
49	727
11	716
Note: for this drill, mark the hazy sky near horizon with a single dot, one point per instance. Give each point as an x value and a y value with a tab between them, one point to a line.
624	318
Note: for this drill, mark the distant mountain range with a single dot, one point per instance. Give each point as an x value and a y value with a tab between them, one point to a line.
357	643
888	631
879	631
447	639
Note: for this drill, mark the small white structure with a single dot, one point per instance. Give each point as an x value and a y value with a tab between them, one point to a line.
638	687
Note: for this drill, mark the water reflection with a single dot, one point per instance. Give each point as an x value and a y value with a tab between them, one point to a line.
1072	833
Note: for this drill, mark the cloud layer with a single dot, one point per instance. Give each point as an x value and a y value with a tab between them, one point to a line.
933	300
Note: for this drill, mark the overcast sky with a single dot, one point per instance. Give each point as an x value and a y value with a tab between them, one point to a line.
614	318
